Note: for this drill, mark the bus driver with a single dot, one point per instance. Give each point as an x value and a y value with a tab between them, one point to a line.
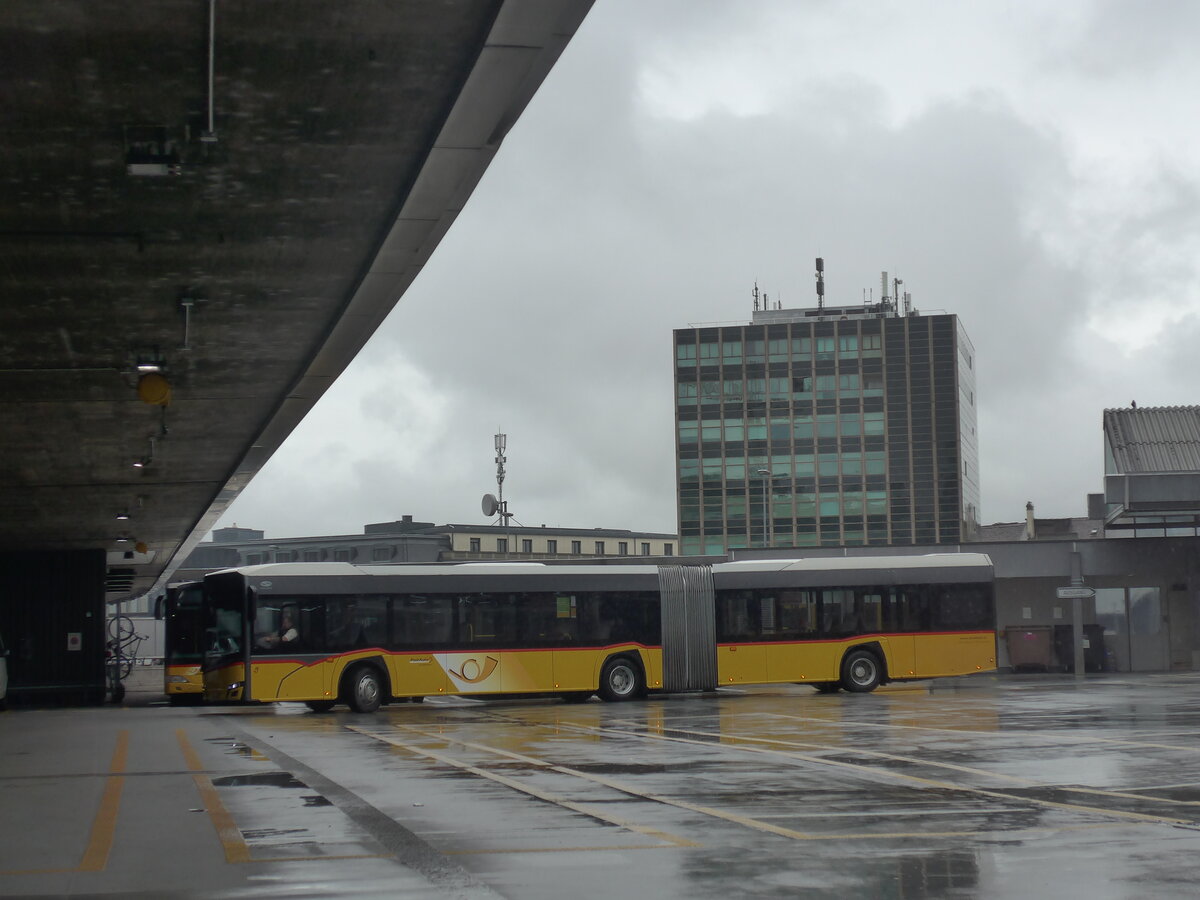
285	636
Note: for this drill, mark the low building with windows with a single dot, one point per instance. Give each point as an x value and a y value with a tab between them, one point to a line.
409	541
542	542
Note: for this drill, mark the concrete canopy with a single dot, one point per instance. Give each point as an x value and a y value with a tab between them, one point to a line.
249	238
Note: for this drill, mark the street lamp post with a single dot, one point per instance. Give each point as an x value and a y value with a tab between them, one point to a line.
766	481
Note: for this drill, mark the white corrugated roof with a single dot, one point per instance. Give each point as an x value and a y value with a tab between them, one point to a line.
1154	439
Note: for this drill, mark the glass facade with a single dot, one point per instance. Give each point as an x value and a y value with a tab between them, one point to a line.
805	430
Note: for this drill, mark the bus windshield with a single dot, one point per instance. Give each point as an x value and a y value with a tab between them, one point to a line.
184	637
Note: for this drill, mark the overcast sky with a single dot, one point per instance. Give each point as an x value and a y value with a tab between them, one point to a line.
1030	167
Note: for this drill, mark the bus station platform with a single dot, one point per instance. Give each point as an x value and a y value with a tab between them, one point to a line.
134	800
992	785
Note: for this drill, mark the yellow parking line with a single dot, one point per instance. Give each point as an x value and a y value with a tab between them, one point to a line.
1065	740
549	797
745	821
104	827
970	770
189	754
230	836
900	776
232	842
599	849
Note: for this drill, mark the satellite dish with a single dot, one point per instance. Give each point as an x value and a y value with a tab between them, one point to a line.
490	505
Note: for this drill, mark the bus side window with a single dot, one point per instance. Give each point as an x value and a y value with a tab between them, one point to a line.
422	621
488	619
961	607
869	608
797	614
353	623
913	604
738	615
545	618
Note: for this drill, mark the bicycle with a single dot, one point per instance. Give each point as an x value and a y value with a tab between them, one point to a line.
122	647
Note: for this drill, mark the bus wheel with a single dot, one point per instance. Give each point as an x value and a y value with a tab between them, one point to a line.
827	687
861	671
364	690
320	706
620	679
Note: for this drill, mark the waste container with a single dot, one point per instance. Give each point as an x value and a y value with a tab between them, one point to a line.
1093	647
1030	648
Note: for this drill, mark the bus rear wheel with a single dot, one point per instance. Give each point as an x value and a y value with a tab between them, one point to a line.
364	690
861	671
620	679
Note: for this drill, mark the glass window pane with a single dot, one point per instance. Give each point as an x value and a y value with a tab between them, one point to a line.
421	621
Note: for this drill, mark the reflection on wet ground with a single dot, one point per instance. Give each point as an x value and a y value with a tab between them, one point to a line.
1004	790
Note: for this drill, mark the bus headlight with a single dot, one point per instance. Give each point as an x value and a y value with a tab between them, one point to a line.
233	686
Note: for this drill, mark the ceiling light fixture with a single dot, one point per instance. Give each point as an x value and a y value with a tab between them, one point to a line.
147	459
122	516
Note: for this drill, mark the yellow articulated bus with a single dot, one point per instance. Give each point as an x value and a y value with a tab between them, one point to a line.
324	633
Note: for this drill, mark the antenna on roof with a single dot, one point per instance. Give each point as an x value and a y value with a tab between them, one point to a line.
491	504
820	282
883	291
754	294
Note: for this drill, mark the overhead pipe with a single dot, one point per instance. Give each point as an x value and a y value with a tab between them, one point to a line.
210	135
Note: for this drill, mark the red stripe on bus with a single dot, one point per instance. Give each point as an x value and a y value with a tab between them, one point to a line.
857	637
379	651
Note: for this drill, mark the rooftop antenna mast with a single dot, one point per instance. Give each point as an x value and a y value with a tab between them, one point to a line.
820	282
493	504
754	294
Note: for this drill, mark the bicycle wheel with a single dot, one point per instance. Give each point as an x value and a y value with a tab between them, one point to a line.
120	629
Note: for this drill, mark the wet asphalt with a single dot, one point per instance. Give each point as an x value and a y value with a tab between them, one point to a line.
983	787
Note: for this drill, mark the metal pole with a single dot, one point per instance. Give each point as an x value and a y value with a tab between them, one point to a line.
766	474
1077	613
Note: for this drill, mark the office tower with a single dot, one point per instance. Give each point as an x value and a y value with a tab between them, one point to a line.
842	426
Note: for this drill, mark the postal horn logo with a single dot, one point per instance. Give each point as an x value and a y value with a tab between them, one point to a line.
472	673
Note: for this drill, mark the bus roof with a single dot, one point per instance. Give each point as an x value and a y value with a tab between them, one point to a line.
812	564
858	563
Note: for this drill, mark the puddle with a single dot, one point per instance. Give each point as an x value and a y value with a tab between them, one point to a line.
261	779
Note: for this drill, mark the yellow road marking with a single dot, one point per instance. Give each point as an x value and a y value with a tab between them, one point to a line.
900	776
189	754
556	799
599	849
231	838
1024	782
745	821
104	827
1065	740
